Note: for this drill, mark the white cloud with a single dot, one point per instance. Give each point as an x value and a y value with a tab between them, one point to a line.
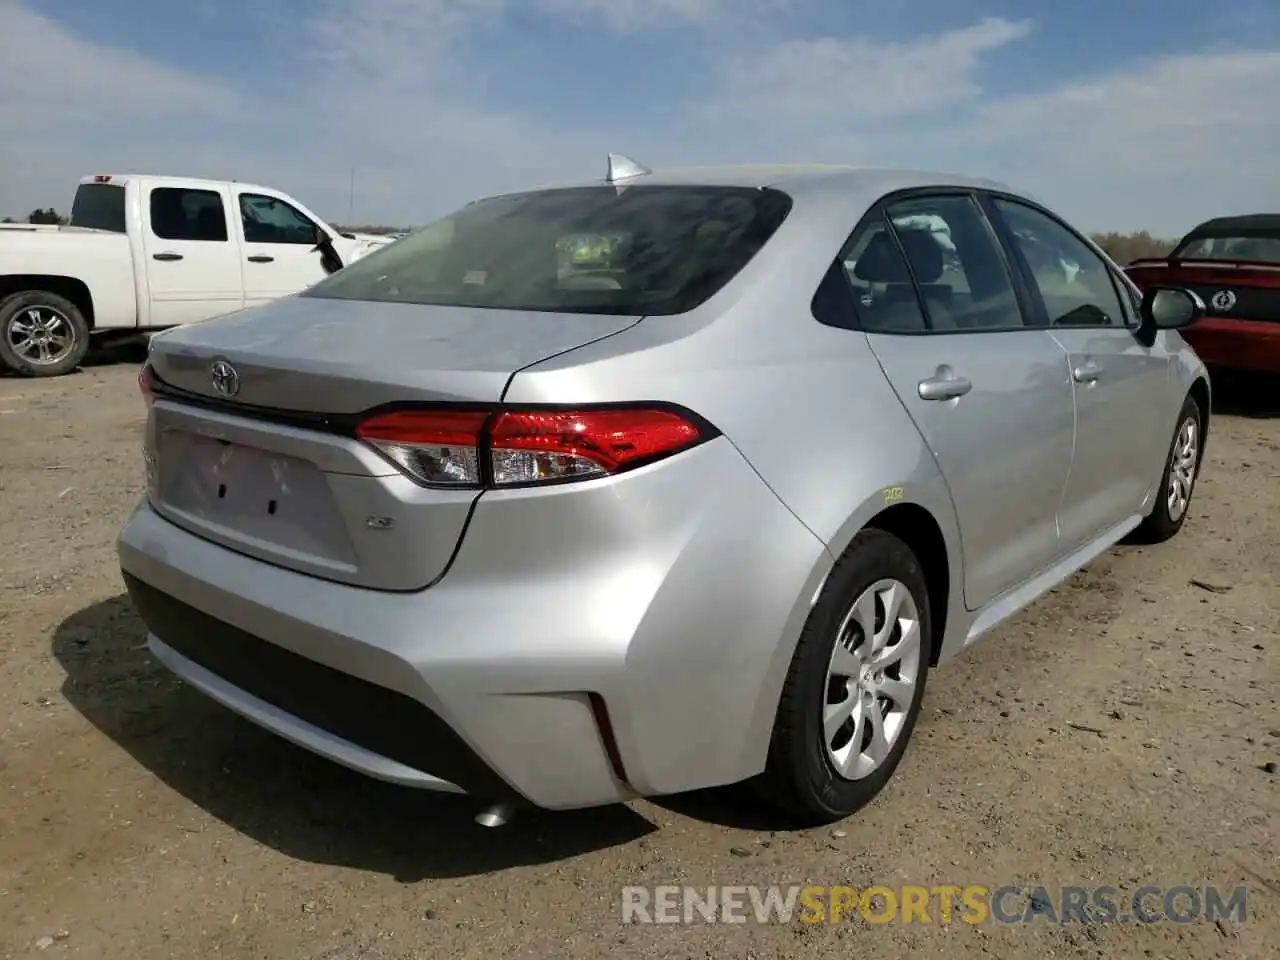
632	14
52	76
1184	137
839	81
402	90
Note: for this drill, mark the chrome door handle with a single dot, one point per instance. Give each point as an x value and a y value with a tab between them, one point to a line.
1086	373
944	388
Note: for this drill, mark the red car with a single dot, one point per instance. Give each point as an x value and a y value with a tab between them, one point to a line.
1233	263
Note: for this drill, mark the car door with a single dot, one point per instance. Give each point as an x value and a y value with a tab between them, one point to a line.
1120	385
989	392
279	248
192	260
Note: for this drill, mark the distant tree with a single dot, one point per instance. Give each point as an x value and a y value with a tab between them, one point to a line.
378	228
45	216
1124	248
7	220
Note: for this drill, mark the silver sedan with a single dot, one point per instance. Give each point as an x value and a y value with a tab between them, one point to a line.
670	480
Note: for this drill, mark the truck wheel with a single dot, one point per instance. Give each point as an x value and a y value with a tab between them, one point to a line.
42	334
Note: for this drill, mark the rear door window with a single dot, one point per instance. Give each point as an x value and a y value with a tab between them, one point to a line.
957	264
181	213
640	250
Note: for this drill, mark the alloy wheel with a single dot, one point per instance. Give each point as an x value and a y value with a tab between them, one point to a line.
871	679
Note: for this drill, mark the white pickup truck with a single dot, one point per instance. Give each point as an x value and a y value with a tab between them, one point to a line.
142	253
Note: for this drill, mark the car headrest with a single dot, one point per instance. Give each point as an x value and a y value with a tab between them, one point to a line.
882	263
925	254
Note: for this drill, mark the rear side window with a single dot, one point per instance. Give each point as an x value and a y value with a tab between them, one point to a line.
882	286
99	206
641	250
178	213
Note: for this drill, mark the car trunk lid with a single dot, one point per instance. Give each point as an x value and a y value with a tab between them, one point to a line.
269	465
1231	289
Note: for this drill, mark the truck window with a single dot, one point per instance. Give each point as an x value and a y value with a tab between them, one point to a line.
271	220
99	206
181	213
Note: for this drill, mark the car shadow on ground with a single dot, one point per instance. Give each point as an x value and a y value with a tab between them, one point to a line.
1255	396
282	796
130	354
133	354
736	807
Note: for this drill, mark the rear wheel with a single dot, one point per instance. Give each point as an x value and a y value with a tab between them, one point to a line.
855	685
1181	469
42	334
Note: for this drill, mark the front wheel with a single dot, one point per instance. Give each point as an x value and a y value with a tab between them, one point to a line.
1181	469
855	685
42	334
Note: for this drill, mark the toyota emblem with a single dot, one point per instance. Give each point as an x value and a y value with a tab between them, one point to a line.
1223	300
224	378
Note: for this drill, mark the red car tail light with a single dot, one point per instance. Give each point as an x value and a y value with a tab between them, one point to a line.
465	448
534	447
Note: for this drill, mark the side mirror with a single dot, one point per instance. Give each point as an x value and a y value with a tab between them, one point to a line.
330	261
1168	308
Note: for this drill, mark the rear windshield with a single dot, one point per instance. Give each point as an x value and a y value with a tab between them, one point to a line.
1265	249
641	250
100	206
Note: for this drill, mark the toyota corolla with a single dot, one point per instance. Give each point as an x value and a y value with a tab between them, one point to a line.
467	518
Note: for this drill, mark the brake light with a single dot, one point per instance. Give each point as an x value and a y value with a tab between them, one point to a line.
529	446
144	385
465	448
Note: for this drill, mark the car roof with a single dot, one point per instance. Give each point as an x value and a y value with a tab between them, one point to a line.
796	178
1253	223
162	180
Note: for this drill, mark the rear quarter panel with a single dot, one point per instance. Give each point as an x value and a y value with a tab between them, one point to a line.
102	261
805	404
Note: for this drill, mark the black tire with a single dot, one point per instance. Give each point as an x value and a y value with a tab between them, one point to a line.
799	777
12	310
1160	525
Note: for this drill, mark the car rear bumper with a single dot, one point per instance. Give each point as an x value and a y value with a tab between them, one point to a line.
626	639
1236	344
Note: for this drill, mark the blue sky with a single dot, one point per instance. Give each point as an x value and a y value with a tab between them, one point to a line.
1124	114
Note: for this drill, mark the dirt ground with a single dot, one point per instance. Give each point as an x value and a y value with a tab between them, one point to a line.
1122	731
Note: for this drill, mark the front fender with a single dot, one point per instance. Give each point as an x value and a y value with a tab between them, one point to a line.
1185	369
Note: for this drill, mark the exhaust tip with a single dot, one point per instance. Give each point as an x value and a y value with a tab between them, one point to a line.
496	816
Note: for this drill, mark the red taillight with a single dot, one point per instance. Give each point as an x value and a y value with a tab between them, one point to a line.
516	447
533	446
144	385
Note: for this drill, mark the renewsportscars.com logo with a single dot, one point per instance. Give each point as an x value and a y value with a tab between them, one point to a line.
940	904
